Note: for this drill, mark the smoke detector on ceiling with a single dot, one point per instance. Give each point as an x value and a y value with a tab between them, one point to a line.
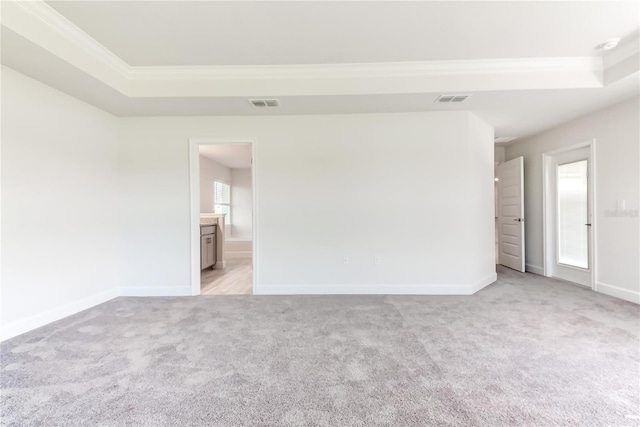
265	102
451	99
503	139
609	44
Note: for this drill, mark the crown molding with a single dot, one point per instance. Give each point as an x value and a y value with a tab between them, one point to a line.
629	47
44	13
44	26
38	23
370	70
371	78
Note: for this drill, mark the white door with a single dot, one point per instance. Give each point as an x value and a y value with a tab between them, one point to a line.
570	216
511	213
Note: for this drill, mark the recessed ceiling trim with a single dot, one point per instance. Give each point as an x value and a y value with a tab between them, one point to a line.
45	14
371	70
627	48
39	23
357	80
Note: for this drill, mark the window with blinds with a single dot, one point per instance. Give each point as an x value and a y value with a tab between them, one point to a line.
222	200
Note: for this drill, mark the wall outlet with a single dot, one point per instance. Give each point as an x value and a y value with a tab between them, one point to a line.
376	260
345	260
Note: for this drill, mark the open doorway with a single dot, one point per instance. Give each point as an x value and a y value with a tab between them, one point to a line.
222	221
568	214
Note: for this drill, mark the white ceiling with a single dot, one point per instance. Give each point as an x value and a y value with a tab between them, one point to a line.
233	156
536	97
326	32
512	113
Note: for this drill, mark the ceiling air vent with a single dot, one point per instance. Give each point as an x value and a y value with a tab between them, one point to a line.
503	139
264	102
451	99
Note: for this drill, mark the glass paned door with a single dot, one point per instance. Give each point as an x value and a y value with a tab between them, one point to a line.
573	214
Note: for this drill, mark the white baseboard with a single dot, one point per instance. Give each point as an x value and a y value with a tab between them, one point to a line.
534	269
179	291
617	292
14	329
239	254
25	325
377	289
483	283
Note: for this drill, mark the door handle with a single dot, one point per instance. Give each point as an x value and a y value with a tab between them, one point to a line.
588	225
519	219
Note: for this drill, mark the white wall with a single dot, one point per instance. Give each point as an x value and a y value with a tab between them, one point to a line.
241	203
210	171
617	134
59	204
321	196
499	154
481	177
95	206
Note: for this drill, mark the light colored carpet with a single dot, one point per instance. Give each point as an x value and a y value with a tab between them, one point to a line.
524	351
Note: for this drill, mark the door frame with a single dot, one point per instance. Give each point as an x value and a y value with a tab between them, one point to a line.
521	218
548	235
194	195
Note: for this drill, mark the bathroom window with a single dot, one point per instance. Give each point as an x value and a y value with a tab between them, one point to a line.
222	200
